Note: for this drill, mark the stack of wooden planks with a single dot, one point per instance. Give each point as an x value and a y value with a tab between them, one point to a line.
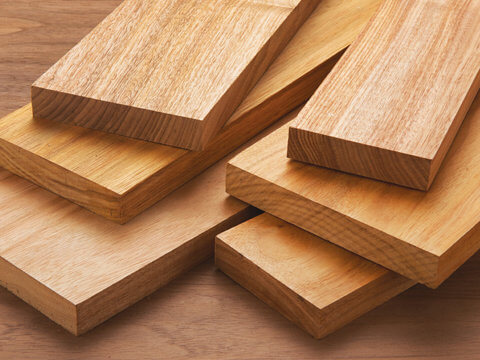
119	177
78	268
390	110
315	284
160	92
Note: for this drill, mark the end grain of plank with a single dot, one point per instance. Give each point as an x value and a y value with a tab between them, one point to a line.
392	106
317	285
170	71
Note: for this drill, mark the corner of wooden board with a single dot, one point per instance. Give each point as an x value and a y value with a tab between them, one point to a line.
56	307
240	269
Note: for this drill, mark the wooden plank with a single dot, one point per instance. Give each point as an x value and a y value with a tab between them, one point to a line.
207	316
79	269
319	286
391	108
424	236
170	71
203	313
74	266
117	177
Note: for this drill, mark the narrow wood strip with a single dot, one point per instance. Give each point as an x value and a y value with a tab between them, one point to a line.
315	284
423	236
170	71
117	177
392	106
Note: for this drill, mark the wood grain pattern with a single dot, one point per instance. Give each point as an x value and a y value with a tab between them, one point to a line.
392	106
80	270
424	236
319	286
203	314
170	71
117	177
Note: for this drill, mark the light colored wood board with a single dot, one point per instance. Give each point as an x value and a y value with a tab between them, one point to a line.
423	236
79	269
170	71
117	177
319	286
203	314
392	106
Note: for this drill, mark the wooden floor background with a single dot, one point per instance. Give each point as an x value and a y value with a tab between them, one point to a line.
204	314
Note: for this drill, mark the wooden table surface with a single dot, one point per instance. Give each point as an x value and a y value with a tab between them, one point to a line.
204	314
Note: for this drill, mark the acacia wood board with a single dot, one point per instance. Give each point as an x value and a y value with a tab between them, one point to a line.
319	286
423	236
118	177
170	71
392	106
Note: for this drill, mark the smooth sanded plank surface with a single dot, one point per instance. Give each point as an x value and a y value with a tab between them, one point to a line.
118	177
424	236
203	314
319	286
79	269
170	71
392	106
